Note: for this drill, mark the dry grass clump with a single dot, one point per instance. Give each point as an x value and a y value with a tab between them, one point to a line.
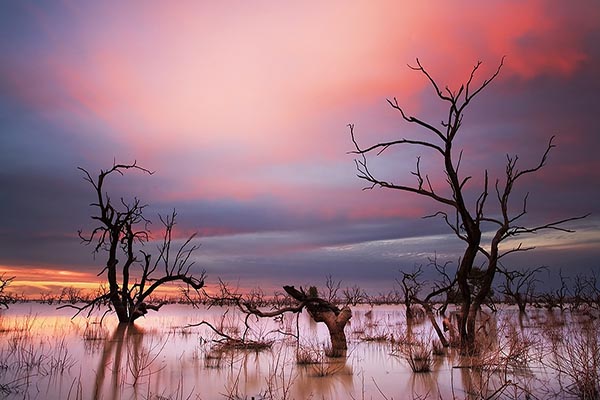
506	349
308	356
327	367
437	348
418	353
518	349
213	359
23	357
94	336
419	357
94	330
322	361
377	335
367	328
576	358
256	345
22	325
214	356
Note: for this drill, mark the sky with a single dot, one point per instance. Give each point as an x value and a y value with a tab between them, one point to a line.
241	110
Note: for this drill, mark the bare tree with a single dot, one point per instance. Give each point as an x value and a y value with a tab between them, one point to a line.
354	295
519	286
319	309
5	298
121	227
410	286
70	295
467	220
557	298
332	286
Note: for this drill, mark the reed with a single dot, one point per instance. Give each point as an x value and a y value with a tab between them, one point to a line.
576	359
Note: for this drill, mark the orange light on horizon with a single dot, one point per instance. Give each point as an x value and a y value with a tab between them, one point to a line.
34	282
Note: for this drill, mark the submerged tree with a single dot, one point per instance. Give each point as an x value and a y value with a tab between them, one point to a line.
410	286
318	307
321	310
585	292
519	286
466	219
121	227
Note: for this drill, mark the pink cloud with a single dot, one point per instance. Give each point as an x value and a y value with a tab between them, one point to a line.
253	87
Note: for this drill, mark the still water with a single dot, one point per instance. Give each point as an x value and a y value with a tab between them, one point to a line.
47	354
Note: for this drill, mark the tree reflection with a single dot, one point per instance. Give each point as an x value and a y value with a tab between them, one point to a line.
118	356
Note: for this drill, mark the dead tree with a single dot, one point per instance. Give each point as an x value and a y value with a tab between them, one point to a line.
5	298
332	286
465	219
519	286
249	305
121	228
354	295
586	292
559	297
321	310
410	286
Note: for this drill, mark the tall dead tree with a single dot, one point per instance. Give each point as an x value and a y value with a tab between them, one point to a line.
133	275
465	219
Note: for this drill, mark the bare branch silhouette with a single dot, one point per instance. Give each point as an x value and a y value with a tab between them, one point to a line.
468	223
121	228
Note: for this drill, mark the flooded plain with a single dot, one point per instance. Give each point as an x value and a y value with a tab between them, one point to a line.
47	354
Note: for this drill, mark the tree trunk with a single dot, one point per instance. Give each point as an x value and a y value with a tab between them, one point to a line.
335	325
323	311
484	291
436	326
120	308
521	303
467	333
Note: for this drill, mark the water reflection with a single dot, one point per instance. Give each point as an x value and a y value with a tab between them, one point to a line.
125	341
330	379
41	348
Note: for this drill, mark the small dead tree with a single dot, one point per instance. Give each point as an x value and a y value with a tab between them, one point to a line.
519	286
354	295
332	286
557	298
466	219
410	285
5	298
121	227
70	295
585	292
